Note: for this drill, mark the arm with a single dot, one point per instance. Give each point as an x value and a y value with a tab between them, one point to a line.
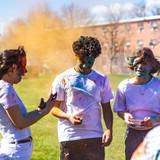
108	119
125	116
120	103
20	121
57	112
121	114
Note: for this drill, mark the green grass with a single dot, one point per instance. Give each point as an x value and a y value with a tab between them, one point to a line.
44	132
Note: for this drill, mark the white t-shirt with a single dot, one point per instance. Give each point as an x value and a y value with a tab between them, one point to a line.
9	98
139	100
81	95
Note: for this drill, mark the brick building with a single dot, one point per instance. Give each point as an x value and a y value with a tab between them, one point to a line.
123	38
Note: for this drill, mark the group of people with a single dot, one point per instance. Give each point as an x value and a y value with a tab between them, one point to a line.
79	98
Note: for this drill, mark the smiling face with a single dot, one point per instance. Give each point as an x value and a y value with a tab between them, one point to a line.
143	63
143	68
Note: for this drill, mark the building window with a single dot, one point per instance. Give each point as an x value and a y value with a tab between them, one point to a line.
153	42
154	26
139	43
140	27
128	44
116	46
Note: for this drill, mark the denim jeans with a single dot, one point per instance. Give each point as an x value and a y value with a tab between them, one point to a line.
84	149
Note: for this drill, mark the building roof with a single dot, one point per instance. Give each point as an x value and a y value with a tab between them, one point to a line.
134	20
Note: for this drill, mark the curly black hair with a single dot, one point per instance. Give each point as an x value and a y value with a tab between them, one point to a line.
86	45
9	57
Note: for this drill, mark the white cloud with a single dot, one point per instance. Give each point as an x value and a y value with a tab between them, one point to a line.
100	12
128	6
152	3
121	7
4	25
116	7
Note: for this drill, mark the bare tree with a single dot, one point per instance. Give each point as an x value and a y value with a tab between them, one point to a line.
113	42
142	10
44	17
113	36
139	10
75	16
155	10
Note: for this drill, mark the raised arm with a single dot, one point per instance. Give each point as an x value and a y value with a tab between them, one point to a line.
21	121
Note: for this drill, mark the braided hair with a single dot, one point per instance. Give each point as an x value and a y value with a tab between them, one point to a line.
86	46
9	57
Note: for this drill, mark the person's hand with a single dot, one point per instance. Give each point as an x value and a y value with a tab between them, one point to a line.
127	118
47	106
75	120
42	104
148	122
107	137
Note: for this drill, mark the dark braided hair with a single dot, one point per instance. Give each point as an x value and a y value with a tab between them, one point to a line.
9	57
86	45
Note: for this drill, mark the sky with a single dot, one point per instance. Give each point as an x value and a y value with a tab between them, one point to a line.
13	9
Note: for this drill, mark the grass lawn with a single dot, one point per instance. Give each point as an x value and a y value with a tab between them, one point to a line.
44	132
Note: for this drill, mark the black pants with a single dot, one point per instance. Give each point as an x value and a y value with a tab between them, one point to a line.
84	149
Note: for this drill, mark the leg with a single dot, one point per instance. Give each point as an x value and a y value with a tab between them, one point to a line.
64	151
93	149
84	149
71	150
133	139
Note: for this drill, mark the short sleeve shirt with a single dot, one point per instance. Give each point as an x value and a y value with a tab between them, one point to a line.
81	95
139	100
9	98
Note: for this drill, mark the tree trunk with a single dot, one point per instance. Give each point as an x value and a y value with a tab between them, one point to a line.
110	66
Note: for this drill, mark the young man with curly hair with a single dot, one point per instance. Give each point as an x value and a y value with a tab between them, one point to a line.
83	94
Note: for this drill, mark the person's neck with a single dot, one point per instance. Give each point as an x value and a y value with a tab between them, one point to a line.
141	80
78	68
6	78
